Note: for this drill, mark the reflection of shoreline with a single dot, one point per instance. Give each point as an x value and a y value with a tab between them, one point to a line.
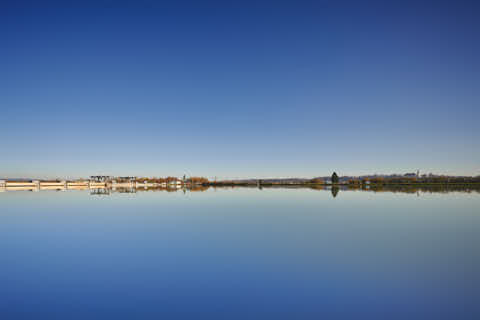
103	189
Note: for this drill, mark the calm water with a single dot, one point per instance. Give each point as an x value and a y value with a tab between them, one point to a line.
239	254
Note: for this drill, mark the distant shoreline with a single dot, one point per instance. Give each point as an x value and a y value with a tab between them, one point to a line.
79	183
107	189
409	180
348	184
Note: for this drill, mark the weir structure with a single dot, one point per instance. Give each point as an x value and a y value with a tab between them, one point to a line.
94	183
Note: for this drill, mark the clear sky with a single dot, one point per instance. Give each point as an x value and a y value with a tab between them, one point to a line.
265	90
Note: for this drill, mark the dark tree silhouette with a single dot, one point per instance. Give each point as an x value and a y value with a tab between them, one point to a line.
334	178
335	190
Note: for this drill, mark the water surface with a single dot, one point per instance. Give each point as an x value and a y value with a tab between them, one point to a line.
239	253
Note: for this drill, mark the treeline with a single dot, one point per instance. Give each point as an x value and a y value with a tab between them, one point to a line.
167	180
155	180
414	188
415	180
352	181
197	181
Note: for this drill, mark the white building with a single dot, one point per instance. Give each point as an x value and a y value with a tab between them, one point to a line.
175	183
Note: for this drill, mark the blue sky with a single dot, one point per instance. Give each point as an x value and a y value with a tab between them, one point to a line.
270	90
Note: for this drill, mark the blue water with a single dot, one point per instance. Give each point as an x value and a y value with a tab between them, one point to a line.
239	254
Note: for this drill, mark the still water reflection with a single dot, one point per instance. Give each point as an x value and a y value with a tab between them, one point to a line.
241	253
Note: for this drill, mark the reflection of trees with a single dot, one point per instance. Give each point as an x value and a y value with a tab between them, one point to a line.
200	188
318	187
409	189
335	190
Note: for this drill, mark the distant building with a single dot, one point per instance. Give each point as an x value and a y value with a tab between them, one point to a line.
101	178
126	179
175	182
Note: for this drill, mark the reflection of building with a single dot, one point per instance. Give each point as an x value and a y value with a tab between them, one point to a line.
126	190
100	191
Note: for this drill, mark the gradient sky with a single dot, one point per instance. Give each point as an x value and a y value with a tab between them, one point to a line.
273	90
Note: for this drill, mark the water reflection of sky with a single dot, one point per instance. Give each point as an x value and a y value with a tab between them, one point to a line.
242	253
